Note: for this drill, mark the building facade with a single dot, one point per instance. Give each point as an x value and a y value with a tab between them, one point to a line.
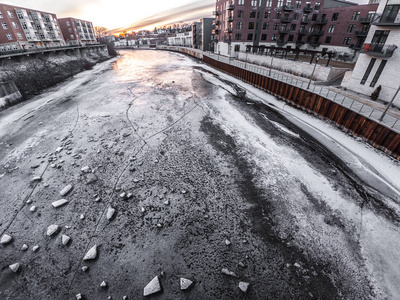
77	32
379	59
331	25
23	29
206	35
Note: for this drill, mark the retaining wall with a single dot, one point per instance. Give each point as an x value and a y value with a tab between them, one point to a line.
9	94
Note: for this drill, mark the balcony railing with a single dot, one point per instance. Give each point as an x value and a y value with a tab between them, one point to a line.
307	9
289	7
230	7
317	32
216	13
228	30
284	30
361	33
305	20
379	50
315	44
286	20
303	31
321	21
230	19
300	43
383	20
281	42
217	22
366	20
215	31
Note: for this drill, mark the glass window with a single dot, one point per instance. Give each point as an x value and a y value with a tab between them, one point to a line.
240	13
335	16
290	38
250	37
346	41
267	15
280	3
15	25
293	27
19	36
252	14
298	4
331	28
1	15
268	3
239	25
4	25
355	16
263	37
314	17
24	26
295	16
328	40
254	3
9	36
251	25
238	36
265	26
351	28
19	15
390	13
378	73
10	14
274	37
317	5
368	70
240	2
276	26
278	15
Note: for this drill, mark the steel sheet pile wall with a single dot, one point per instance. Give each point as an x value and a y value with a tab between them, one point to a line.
379	136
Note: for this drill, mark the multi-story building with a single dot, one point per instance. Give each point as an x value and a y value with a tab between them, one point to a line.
77	32
378	62
23	28
205	34
307	24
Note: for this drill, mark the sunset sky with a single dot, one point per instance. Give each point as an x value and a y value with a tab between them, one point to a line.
123	15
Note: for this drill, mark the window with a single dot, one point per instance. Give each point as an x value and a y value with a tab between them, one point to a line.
72	36
335	16
250	37
24	26
328	40
311	29
390	13
317	6
263	37
9	36
68	23
293	27
2	48
298	4
20	15
314	17
295	16
276	26
267	15
1	15
331	28
252	14
368	71
290	38
274	37
380	37
10	14
280	3
254	3
237	48
239	25
240	13
4	24
69	29
265	26
351	28
268	3
15	25
251	25
378	73
19	36
346	41
14	47
278	15
238	36
355	16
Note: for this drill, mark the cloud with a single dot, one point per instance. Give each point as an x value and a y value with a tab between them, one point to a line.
185	13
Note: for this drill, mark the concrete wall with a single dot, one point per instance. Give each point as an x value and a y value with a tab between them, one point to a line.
9	94
298	68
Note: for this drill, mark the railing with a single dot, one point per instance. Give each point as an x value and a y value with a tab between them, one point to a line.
379	50
281	42
321	21
305	21
361	33
230	7
216	13
230	19
284	30
315	44
289	7
300	43
215	31
308	9
286	20
303	31
317	32
366	20
39	50
384	20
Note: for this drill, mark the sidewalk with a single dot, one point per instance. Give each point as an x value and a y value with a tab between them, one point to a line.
357	103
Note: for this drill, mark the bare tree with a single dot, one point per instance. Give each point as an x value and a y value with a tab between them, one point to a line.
100	31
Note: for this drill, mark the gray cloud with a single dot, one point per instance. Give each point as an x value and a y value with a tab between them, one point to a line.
185	13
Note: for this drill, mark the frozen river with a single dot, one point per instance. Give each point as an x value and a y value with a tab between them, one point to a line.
201	178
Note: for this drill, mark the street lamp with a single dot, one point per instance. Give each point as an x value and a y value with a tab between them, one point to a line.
272	60
312	74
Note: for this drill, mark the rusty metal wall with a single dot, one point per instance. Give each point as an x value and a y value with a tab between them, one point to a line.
349	121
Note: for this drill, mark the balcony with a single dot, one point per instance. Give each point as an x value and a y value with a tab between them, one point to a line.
286	20
284	30
217	22
229	19
315	44
307	9
300	43
386	20
230	7
305	20
355	46
321	21
366	20
361	33
317	32
228	30
216	13
281	43
216	31
303	31
289	7
379	50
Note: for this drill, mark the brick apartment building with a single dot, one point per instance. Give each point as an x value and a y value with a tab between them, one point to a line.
331	25
379	60
23	28
77	32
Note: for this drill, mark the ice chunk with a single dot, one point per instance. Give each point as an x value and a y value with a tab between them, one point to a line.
152	287
5	239
185	283
66	190
52	229
91	254
59	203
